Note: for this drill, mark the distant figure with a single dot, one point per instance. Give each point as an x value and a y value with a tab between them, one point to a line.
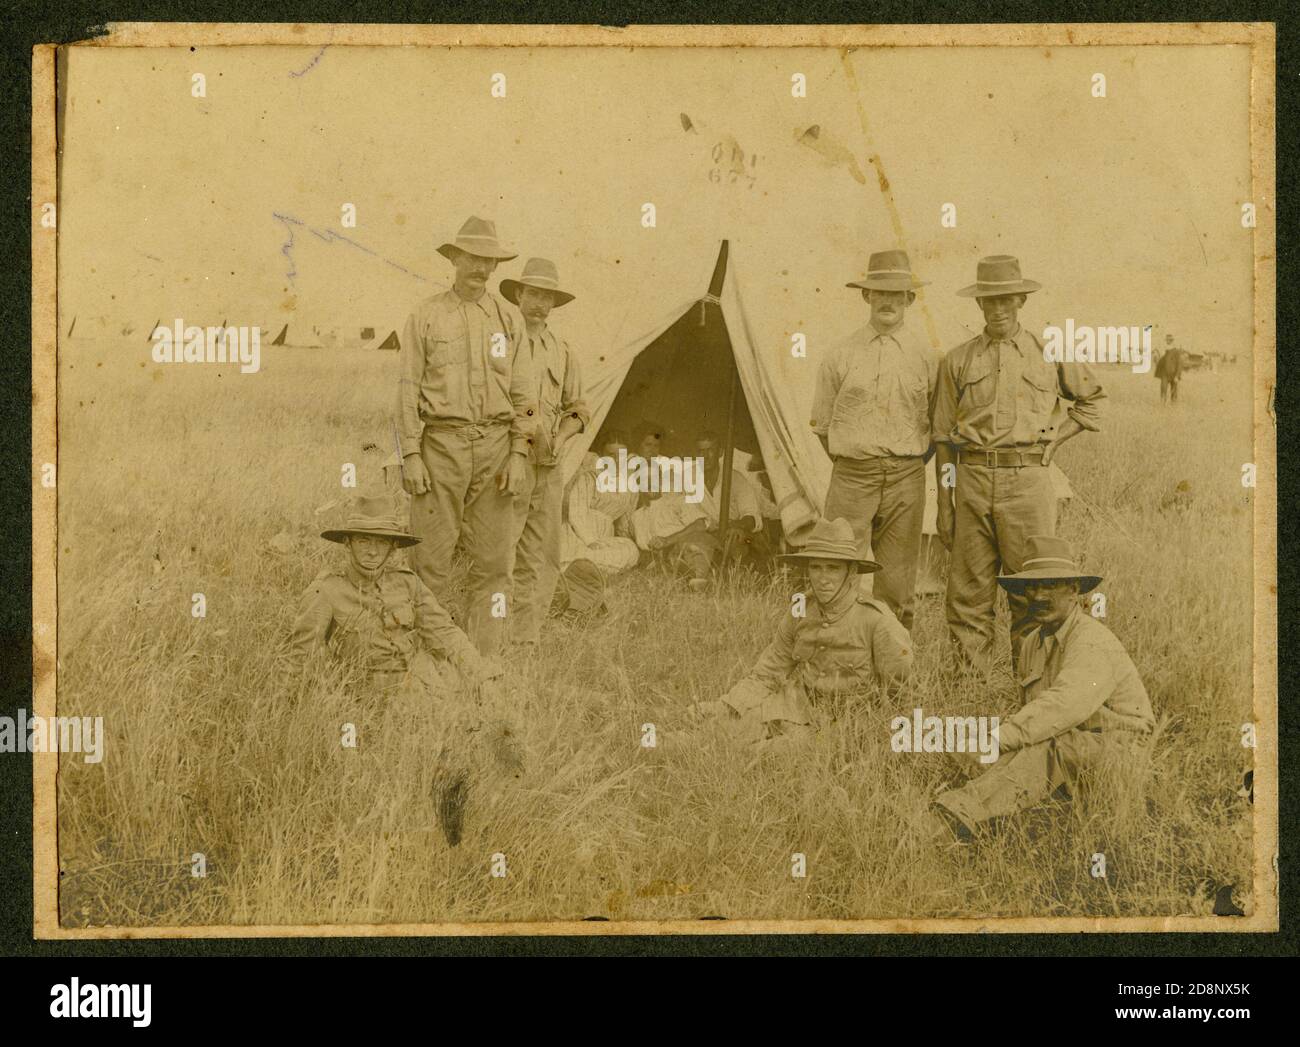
843	643
872	414
1170	370
1081	691
374	615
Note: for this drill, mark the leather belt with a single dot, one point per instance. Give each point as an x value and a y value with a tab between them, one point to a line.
1002	458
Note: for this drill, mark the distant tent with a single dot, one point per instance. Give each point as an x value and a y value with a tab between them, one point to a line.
385	336
699	369
298	336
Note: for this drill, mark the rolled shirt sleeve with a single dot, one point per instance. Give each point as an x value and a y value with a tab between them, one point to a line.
523	391
574	404
1080	386
829	377
410	365
943	414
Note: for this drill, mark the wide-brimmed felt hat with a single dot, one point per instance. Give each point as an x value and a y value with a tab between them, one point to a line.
540	273
478	236
999	274
376	514
1048	559
888	271
832	540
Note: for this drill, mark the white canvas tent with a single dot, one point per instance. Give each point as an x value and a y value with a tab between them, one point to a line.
698	368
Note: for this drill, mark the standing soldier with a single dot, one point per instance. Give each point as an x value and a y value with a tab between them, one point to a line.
872	415
996	429
466	414
561	414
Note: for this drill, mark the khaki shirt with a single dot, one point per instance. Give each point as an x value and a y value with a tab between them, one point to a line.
559	391
1004	394
1080	676
449	373
667	515
380	623
873	395
744	501
856	642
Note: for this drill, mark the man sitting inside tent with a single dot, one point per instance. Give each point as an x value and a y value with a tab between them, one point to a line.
837	643
677	530
595	545
745	542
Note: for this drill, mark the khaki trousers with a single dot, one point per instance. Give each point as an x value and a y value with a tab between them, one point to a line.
539	527
1025	777
884	500
463	505
997	509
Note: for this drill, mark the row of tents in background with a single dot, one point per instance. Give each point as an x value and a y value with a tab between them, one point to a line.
290	335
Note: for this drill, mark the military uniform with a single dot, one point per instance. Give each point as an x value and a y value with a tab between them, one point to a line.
996	404
379	624
540	509
466	401
853	644
1082	697
404	650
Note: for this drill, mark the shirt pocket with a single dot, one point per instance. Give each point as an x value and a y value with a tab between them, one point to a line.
1040	388
1031	682
911	407
851	406
979	383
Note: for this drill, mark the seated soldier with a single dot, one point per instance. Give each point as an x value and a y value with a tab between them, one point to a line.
844	643
677	530
592	549
1082	697
373	614
745	542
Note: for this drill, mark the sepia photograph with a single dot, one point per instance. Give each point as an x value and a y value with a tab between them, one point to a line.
566	480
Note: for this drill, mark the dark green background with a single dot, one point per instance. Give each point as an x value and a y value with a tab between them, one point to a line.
65	22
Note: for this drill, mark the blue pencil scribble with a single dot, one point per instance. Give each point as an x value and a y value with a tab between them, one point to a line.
310	65
287	249
331	237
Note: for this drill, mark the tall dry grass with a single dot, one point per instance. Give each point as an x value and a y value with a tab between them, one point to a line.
175	481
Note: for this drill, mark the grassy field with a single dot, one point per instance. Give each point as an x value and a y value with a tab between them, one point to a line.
181	480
